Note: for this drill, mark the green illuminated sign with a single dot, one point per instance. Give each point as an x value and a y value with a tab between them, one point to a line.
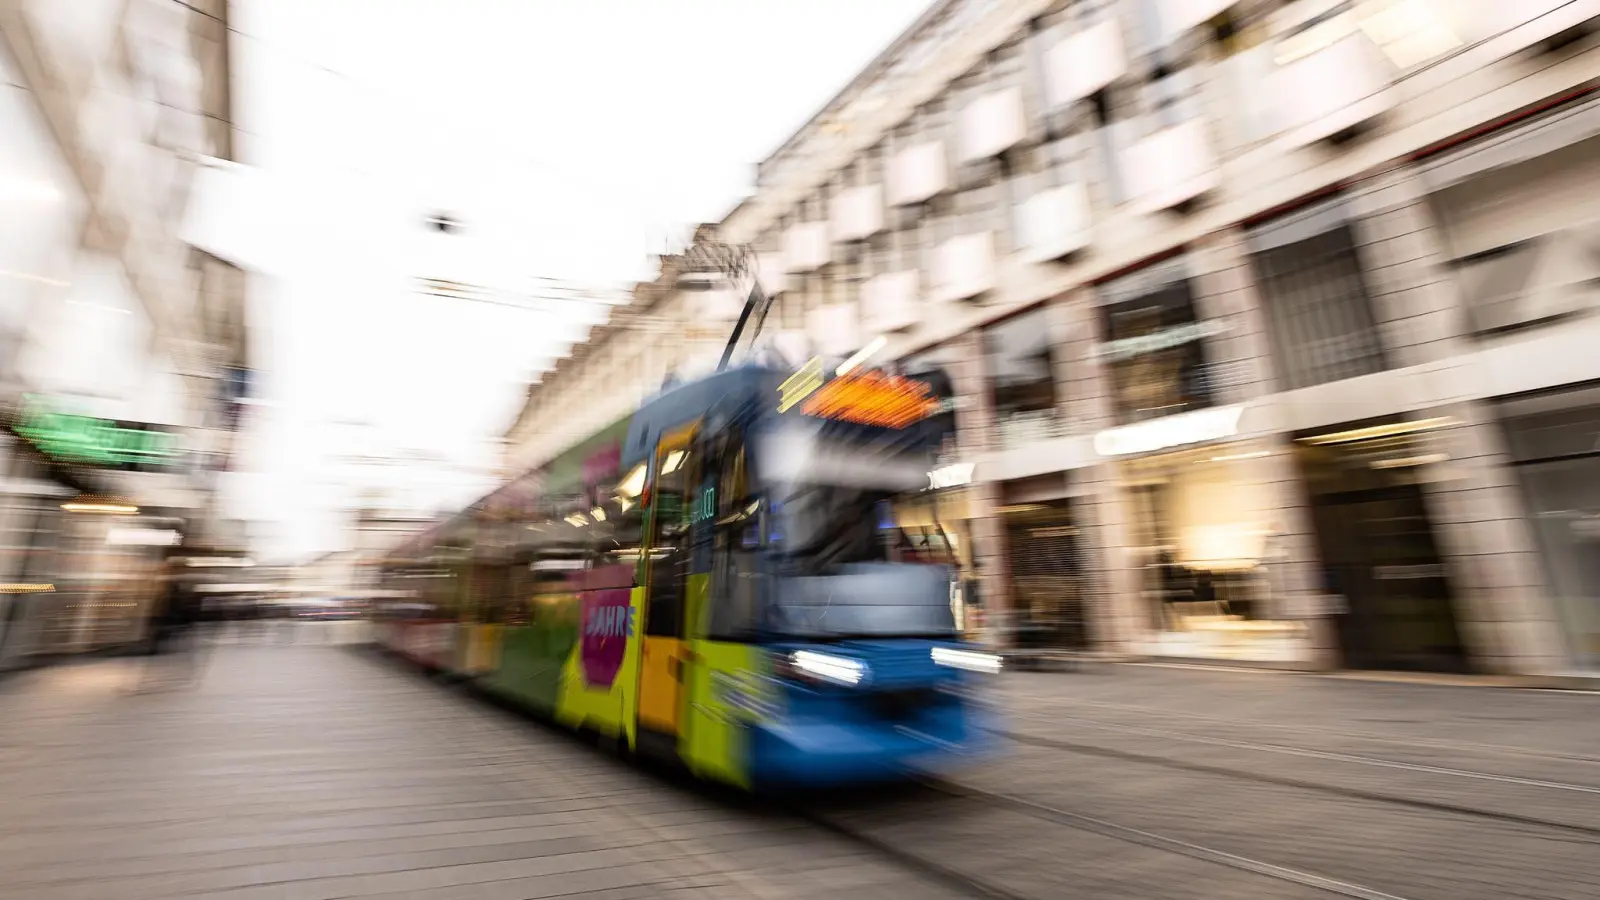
98	442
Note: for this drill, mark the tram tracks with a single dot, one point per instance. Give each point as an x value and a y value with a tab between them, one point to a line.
990	886
1350	856
1333	788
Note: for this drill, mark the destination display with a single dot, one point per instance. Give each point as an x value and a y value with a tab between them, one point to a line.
873	398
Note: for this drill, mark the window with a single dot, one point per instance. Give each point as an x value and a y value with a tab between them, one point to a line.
1021	372
736	545
672	506
1060	162
879	251
1245	64
617	540
812	282
933	222
1116	126
518	608
1155	346
1523	238
831	528
937	366
1316	300
502	597
559	552
982	205
1174	98
832	275
1150	29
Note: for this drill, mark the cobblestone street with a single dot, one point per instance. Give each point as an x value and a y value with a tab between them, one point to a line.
317	769
320	771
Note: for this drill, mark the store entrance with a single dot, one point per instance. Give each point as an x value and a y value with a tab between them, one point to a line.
1379	554
1394	607
1044	556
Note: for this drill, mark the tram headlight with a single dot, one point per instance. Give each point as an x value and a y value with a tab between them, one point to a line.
967	660
827	667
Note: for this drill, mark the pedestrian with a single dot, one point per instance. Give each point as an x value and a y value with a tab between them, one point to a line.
174	645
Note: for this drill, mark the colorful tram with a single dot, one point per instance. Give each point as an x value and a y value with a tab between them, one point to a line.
718	579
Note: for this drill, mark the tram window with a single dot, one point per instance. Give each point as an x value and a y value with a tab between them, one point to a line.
619	539
492	587
519	591
557	568
672	506
734	551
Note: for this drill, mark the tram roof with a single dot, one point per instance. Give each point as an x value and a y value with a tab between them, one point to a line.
740	388
688	402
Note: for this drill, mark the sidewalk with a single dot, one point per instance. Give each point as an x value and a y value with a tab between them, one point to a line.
315	772
1484	711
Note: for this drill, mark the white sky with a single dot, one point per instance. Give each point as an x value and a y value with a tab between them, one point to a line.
572	137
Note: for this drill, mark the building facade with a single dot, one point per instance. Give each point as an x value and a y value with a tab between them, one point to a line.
124	348
1270	319
665	329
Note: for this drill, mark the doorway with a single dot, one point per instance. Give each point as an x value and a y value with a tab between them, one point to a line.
1379	554
1045	559
1395	604
661	663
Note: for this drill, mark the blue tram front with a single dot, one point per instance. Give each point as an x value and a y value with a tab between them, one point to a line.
823	644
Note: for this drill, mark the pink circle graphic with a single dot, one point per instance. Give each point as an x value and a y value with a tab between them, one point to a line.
607	626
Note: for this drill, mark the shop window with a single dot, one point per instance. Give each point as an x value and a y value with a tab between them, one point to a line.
1564	506
1019	358
1555	456
1044	554
1155	347
1317	302
1203	538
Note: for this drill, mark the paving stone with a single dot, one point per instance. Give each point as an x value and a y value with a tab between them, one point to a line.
315	771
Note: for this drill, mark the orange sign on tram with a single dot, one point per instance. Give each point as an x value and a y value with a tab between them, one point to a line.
872	398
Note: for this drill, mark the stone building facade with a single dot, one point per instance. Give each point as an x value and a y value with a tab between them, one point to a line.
1271	319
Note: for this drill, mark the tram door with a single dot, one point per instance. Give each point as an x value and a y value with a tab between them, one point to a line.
661	666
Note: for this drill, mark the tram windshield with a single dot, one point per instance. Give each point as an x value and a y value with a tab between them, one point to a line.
845	568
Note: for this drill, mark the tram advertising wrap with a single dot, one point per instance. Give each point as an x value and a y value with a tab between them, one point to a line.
719	579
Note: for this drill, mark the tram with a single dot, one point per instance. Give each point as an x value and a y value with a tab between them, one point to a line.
718	579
